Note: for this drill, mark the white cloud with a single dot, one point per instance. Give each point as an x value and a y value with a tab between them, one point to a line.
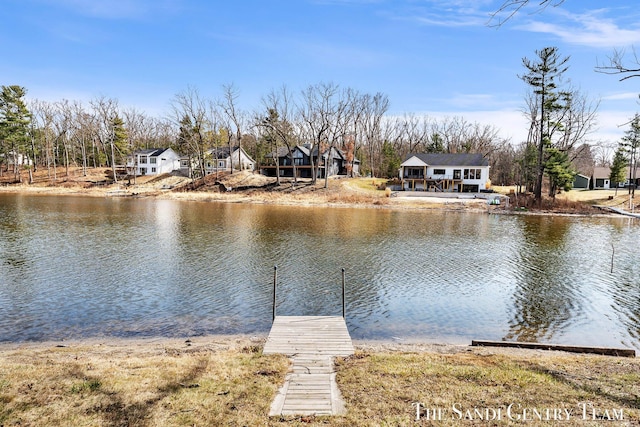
621	96
588	29
446	13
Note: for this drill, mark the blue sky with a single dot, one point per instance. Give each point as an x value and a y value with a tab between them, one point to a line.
435	57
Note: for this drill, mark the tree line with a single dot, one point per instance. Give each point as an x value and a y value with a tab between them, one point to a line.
58	135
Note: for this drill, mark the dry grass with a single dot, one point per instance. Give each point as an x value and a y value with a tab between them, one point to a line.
171	386
214	382
380	388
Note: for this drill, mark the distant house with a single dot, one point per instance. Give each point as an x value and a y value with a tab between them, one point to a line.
301	156
445	172
14	158
601	178
218	160
153	161
581	182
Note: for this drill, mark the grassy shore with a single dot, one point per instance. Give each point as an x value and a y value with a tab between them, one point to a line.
210	381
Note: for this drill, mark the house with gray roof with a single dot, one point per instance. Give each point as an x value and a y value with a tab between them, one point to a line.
153	161
333	159
445	172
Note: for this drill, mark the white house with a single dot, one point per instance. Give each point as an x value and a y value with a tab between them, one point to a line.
445	172
153	161
16	158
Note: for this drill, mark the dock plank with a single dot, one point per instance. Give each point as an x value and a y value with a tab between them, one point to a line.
311	342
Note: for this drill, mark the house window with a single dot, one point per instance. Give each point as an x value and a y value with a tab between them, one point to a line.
298	161
456	173
153	160
184	163
143	171
221	164
439	171
414	173
472	173
153	170
143	159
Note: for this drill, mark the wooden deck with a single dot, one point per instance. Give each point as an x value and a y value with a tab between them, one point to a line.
311	342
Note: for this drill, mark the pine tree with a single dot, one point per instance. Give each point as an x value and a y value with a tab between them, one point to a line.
559	170
543	76
14	126
630	144
618	165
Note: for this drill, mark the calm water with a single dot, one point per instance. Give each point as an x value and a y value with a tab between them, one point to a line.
73	267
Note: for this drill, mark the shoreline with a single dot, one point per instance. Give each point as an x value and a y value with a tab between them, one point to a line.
331	199
240	342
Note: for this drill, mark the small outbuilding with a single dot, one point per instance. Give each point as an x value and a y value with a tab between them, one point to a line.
581	182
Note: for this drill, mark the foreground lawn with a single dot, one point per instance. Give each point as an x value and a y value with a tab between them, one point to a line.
206	385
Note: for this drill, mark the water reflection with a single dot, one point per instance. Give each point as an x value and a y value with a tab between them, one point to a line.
544	298
74	267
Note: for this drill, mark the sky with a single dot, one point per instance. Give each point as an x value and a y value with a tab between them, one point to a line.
434	57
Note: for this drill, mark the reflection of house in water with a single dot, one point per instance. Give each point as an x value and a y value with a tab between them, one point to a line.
300	160
445	172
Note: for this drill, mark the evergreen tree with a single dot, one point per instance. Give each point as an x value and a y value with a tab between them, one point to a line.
630	144
618	166
390	160
14	126
543	76
559	170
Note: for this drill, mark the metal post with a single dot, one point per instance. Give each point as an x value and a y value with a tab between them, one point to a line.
275	280
343	304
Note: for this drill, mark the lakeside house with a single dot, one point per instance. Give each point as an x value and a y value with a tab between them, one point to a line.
445	172
601	179
301	157
220	159
223	159
153	161
14	158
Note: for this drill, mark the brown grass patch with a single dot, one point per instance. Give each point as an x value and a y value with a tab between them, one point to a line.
224	383
380	388
83	386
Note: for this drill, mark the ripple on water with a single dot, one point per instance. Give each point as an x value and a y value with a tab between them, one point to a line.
92	267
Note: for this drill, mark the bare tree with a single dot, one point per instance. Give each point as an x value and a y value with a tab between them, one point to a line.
375	108
106	110
190	114
510	8
237	119
317	111
280	121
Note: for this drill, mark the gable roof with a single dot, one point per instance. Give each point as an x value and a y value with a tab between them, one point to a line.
449	159
152	152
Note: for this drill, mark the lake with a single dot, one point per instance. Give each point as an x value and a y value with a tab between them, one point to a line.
76	267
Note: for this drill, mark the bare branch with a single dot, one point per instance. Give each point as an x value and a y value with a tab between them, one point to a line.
512	7
617	67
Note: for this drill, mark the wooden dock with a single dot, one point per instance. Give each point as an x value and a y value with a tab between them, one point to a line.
311	342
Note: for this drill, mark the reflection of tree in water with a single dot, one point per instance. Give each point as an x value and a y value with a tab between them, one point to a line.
627	301
544	298
625	283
